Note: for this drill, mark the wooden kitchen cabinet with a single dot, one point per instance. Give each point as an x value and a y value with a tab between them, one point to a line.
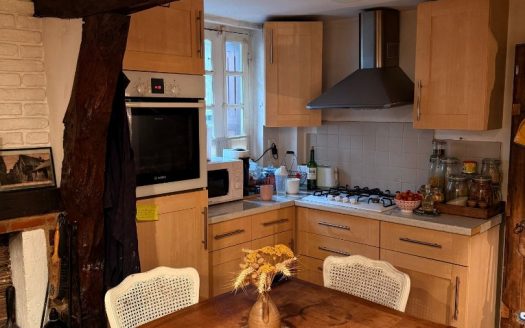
460	64
178	238
293	52
321	234
167	39
229	238
453	277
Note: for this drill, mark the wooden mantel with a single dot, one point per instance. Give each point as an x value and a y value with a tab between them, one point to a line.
46	222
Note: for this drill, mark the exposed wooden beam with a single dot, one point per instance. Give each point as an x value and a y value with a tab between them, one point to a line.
86	126
85	8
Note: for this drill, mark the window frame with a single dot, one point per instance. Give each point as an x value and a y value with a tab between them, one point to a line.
218	37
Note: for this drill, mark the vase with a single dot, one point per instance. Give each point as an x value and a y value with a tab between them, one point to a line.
264	313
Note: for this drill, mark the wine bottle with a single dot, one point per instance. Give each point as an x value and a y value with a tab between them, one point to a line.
311	177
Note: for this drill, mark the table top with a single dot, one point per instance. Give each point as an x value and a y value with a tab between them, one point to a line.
300	303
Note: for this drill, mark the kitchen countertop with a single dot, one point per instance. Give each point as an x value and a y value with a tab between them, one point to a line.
448	223
445	222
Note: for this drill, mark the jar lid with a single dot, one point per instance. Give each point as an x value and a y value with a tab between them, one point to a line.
482	178
491	161
470	162
457	177
450	160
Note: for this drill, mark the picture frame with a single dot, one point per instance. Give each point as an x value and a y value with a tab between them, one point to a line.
26	168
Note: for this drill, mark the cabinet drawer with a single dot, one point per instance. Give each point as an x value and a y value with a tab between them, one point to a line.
285	238
272	222
320	247
225	265
342	226
310	269
432	244
229	233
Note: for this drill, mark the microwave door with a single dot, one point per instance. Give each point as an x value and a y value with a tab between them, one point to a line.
218	183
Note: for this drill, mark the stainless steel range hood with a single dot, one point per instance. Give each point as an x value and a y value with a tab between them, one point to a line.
379	83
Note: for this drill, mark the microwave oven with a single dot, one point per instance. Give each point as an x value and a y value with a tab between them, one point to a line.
225	180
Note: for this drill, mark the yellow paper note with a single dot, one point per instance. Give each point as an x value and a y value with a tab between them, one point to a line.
147	213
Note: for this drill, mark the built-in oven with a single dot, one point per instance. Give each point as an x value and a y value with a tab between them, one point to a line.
168	131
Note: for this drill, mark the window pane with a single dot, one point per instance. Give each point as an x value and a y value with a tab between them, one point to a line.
208	63
233	56
210	130
234	122
208	86
234	90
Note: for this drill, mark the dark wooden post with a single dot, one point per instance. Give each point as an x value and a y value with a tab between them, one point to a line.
514	274
86	122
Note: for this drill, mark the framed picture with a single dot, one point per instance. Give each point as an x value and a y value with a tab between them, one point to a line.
26	168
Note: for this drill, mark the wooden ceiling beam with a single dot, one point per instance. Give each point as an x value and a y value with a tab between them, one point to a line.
85	8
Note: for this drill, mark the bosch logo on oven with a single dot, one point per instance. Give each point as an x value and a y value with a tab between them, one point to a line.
159	177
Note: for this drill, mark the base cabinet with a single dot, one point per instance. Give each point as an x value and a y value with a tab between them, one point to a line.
453	277
229	238
177	238
437	289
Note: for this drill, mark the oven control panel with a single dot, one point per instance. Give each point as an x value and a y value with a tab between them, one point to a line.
152	84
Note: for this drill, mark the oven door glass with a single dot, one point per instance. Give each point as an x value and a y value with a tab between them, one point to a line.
218	183
165	142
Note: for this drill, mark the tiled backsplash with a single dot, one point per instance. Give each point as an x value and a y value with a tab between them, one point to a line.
391	156
386	155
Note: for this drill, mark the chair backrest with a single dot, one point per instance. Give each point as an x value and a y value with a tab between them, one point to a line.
376	281
146	296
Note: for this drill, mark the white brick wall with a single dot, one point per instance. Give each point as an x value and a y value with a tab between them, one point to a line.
24	113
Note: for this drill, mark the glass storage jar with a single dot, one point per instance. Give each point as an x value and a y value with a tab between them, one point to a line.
492	167
457	190
435	176
449	166
481	192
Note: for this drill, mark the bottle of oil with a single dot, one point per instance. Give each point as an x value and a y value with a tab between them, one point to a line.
311	178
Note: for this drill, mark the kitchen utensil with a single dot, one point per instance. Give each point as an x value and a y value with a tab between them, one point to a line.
266	191
292	186
54	272
326	177
10	307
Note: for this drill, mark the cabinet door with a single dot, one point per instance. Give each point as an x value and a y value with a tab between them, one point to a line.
438	290
177	238
293	72
458	54
167	39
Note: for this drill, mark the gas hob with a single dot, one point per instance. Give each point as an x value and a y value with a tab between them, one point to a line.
367	199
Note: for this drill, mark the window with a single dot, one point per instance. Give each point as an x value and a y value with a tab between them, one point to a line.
227	83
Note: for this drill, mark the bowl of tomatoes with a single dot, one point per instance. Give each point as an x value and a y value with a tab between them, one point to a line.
408	201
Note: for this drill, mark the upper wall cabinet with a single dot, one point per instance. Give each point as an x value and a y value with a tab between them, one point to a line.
460	64
167	39
293	72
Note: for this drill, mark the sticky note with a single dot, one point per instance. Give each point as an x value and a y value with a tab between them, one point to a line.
147	213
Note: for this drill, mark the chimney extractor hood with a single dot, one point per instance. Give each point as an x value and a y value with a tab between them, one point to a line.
379	82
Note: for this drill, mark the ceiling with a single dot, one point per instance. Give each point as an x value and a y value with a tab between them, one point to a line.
258	11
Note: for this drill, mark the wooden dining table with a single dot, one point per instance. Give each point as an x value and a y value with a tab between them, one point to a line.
300	303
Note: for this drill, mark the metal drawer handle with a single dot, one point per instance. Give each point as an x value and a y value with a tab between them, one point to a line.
332	225
456	299
335	251
205	215
274	222
229	234
419	86
424	243
271	46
